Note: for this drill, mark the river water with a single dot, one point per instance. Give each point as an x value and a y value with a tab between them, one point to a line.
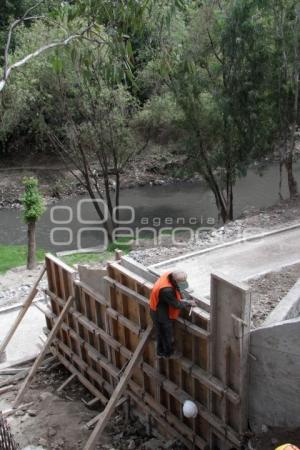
180	204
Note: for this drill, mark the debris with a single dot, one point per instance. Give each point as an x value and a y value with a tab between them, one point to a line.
131	445
7	441
153	444
6	389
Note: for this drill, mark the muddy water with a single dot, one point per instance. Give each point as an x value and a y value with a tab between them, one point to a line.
180	204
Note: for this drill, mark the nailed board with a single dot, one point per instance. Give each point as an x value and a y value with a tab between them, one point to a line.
102	332
230	331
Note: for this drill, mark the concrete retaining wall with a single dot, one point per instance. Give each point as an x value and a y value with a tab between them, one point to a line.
275	376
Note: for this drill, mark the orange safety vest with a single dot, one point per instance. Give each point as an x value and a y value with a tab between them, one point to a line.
161	283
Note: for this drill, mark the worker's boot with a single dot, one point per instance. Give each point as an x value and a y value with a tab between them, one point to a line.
175	355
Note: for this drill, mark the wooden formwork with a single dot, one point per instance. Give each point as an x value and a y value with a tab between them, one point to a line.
101	332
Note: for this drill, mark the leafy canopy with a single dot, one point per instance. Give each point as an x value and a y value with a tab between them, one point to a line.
32	200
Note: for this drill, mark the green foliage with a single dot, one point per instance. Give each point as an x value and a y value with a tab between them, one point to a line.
14	256
32	201
218	78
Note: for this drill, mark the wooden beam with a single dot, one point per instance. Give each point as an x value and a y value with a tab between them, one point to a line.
92	441
23	310
43	353
66	382
96	419
170	387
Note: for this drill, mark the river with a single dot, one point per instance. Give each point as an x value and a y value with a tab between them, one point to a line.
181	203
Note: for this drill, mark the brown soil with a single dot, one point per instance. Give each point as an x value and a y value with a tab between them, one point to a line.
268	290
57	421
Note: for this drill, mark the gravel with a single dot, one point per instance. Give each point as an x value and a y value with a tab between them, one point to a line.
269	289
252	222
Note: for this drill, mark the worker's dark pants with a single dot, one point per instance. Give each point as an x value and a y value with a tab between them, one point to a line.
164	335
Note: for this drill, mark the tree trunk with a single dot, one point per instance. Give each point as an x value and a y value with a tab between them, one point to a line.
292	183
31	254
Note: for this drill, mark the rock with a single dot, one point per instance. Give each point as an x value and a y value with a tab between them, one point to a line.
153	444
42	442
45	396
51	432
32	412
131	445
19	413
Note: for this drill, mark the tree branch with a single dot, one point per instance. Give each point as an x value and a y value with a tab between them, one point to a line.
26	17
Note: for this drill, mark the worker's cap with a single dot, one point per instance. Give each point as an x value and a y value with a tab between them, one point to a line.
287	447
180	276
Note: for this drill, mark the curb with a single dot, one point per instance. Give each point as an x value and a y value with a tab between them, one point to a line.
227	244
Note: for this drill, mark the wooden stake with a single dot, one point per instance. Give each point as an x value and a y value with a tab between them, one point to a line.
121	386
23	311
96	419
43	353
65	383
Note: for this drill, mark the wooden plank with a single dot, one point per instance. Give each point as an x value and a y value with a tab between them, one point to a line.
83	380
92	441
43	353
230	331
142	300
96	419
65	383
170	387
23	310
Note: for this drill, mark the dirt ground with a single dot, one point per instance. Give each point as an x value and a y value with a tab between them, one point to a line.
269	289
57	421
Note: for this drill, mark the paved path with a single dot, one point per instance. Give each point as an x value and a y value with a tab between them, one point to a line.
240	261
24	342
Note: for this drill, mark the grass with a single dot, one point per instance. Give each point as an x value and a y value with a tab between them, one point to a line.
82	258
14	256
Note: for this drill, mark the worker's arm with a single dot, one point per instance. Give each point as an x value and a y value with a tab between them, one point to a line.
167	296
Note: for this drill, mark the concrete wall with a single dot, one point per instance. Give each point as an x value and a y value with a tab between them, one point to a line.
93	277
288	308
275	375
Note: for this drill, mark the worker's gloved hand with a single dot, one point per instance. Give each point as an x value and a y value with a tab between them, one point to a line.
190	303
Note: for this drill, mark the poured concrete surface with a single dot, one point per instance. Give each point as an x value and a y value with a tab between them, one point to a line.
274	376
238	261
24	342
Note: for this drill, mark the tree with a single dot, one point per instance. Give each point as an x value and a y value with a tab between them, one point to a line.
64	13
216	76
285	30
33	206
98	137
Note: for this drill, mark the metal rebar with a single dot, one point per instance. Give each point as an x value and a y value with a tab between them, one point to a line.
7	441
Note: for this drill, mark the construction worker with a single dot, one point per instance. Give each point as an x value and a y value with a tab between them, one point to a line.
166	302
287	447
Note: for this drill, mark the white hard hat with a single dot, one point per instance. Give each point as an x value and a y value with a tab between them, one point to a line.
189	409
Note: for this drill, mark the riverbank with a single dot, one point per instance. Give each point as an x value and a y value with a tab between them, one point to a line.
15	284
57	183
